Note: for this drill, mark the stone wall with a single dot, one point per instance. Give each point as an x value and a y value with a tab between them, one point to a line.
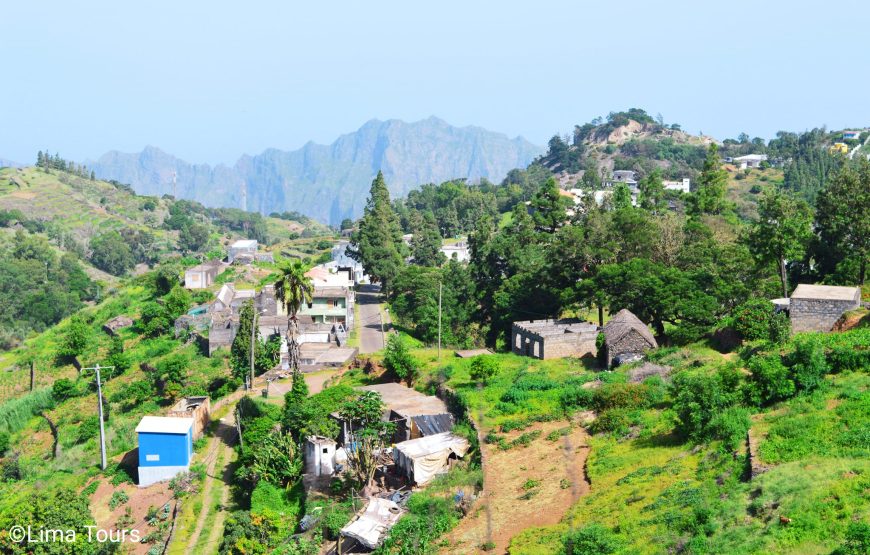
556	343
817	314
630	343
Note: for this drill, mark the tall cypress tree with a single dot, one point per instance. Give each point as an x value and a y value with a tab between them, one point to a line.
426	244
709	198
378	243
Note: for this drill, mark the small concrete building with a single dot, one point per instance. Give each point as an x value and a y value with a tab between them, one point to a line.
458	251
165	448
818	307
320	456
683	186
197	408
202	275
243	248
547	339
625	334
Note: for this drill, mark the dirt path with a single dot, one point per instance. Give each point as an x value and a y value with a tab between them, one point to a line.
219	449
524	487
217	529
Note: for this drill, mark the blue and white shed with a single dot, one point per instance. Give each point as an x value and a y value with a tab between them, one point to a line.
165	448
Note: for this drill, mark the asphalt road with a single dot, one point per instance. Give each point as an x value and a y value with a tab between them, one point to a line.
371	326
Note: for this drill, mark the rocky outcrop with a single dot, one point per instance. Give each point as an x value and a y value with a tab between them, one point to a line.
328	182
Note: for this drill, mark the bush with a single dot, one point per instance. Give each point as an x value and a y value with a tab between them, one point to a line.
64	389
88	429
771	380
622	395
808	364
398	359
753	319
699	397
592	539
483	368
731	426
857	539
616	421
118	498
848	359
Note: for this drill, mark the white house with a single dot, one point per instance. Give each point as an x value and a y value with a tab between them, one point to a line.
750	161
242	247
458	251
682	186
851	135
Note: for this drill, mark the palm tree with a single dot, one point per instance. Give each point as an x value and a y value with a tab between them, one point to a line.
292	289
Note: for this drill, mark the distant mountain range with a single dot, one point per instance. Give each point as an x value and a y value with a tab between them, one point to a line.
328	182
6	163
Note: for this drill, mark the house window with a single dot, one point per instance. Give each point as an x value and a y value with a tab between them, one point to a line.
152	458
325	450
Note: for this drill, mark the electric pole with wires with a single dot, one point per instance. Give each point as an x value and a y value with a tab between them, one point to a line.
96	370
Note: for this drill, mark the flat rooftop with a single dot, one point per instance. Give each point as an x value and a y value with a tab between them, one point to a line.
826	293
164	425
245	244
407	401
556	327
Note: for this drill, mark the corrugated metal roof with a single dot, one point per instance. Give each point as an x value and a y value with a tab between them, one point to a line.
164	425
433	424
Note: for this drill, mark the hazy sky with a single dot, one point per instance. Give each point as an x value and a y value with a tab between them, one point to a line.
209	81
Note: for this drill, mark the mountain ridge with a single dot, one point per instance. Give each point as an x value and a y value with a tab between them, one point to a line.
327	181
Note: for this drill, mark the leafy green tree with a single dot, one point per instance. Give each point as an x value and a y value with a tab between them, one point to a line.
709	197
240	351
651	192
399	360
857	539
177	302
170	374
193	238
110	253
782	232
426	243
154	320
368	433
346	223
117	357
591	176
842	210
753	319
378	242
57	508
548	208
621	197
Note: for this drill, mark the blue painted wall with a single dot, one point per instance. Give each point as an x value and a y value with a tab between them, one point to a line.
173	449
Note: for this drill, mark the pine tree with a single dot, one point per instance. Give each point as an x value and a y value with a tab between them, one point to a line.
652	192
709	198
621	196
549	207
842	210
426	244
39	159
378	243
93	176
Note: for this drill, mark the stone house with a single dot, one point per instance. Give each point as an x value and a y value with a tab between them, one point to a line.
545	339
625	334
118	322
197	408
818	307
243	250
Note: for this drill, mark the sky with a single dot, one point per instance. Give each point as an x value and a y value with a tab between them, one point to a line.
210	81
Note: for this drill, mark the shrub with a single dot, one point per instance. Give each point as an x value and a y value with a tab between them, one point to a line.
89	428
118	498
857	539
398	359
848	359
616	421
483	368
699	397
592	539
64	389
621	395
4	443
753	319
808	364
731	426
575	397
771	380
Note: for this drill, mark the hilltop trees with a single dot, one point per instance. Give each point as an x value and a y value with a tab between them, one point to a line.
652	192
378	243
549	208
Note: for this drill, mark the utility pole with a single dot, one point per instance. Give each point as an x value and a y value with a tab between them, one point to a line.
439	320
32	375
253	337
97	369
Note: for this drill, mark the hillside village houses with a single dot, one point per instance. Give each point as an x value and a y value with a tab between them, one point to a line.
851	135
246	251
202	275
546	339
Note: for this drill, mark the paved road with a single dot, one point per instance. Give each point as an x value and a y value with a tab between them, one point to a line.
371	326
